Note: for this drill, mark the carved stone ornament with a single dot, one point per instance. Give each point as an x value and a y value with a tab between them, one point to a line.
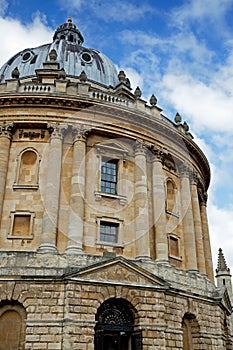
53	55
83	77
121	76
203	196
153	100
80	133
140	147
185	170
57	130
137	92
195	178
7	129
31	134
158	152
15	73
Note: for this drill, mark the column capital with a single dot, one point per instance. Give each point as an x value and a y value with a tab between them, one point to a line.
79	133
57	130
203	197
194	178
159	153
185	171
7	129
140	147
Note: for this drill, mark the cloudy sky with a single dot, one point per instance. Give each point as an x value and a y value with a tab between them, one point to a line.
180	50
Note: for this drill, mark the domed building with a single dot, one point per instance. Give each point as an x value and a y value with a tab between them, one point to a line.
104	239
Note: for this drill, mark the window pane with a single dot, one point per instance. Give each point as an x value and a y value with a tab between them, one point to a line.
109	176
109	232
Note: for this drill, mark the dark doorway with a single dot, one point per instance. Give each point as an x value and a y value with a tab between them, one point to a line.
115	327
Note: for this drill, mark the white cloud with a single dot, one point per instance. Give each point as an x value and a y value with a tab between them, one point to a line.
202	12
206	106
119	11
21	36
220	225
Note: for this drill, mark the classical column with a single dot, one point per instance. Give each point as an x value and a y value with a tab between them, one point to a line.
141	203
159	200
77	199
6	131
206	239
187	220
52	190
197	226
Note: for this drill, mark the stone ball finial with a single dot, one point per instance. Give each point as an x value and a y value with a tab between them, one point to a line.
53	55
15	73
138	92
153	100
177	118
83	76
121	76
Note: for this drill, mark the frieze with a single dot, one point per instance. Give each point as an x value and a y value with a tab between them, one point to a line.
31	134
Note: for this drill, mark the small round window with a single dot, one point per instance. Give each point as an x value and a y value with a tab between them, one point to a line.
26	56
86	57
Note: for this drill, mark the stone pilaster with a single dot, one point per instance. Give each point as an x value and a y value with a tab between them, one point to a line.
159	200
197	226
187	220
206	239
141	203
76	215
6	131
52	191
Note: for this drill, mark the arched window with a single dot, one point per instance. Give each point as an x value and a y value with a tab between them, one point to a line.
12	326
28	169
115	327
191	333
171	196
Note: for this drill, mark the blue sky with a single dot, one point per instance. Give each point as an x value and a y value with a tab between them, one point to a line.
180	50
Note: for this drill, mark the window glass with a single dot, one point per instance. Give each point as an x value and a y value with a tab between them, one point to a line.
109	176
109	232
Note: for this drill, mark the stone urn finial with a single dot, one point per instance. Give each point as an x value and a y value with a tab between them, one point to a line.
53	55
186	127
15	73
83	77
62	74
178	118
121	76
153	100
138	92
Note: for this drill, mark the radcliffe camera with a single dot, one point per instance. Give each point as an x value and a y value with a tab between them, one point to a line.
104	235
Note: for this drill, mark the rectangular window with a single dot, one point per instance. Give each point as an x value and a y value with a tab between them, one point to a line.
109	232
21	225
174	246
109	176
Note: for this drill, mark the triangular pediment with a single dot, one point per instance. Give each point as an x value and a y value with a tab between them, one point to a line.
111	147
120	271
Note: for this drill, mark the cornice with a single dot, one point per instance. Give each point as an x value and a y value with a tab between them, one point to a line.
125	118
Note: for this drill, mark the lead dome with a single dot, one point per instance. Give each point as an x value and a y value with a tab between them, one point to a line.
71	56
